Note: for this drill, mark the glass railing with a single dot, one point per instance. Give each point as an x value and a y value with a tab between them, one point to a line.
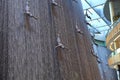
113	25
117	51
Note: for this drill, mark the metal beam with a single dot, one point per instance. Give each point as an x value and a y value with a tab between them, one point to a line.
95	19
95	6
96	12
101	26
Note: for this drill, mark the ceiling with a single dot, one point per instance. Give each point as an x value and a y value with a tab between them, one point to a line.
97	23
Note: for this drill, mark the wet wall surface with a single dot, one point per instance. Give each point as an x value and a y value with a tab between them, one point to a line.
28	46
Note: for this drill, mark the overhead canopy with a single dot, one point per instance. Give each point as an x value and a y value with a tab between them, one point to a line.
99	25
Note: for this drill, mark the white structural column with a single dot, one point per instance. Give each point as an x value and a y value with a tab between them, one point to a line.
111	7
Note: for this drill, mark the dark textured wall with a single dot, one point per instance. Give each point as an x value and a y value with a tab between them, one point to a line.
3	39
29	53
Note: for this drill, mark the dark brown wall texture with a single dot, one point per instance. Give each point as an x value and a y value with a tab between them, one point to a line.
30	53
